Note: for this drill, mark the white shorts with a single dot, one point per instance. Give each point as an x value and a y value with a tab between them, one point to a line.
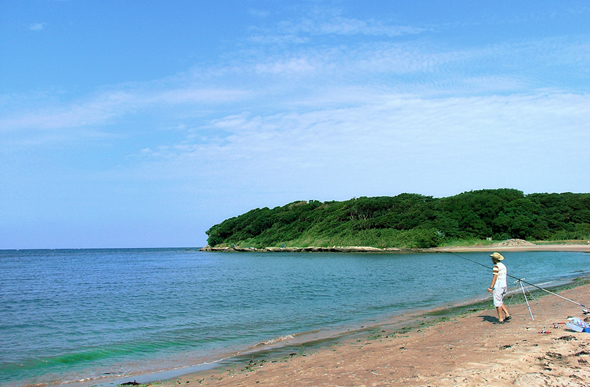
499	296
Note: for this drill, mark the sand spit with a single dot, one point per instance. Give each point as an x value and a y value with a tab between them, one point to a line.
507	245
310	249
469	350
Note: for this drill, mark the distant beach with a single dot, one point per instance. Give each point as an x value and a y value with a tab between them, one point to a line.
520	245
508	245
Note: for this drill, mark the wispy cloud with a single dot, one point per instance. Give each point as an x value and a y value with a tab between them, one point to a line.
258	13
395	137
325	22
108	105
339	25
77	114
286	65
37	26
331	21
309	78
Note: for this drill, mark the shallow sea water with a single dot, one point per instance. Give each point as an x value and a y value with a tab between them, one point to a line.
91	316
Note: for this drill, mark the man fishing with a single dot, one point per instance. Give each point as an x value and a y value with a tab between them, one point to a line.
499	287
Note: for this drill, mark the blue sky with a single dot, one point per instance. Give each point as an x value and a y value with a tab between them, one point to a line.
142	124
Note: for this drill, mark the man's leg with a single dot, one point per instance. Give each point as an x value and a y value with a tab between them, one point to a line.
505	310
500	313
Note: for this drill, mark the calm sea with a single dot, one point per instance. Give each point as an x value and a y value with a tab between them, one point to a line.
93	316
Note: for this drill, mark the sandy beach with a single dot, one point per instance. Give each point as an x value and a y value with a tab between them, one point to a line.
472	350
469	349
507	245
518	245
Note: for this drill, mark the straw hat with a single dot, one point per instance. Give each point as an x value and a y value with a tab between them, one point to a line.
497	256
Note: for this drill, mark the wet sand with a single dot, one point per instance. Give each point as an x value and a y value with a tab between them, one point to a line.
471	349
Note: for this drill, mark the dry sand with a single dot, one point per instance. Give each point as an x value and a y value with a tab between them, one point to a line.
468	350
507	245
518	245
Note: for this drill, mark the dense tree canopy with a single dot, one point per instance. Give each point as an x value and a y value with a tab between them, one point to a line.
411	220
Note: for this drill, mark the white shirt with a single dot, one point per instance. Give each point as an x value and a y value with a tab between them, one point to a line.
501	271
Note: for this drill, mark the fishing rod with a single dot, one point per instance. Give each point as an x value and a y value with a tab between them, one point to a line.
528	283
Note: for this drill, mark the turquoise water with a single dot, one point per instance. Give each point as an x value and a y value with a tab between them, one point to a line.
94	315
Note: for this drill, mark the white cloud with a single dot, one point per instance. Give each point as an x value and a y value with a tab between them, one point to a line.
258	13
326	22
276	39
288	65
37	26
350	26
108	105
296	81
198	95
395	139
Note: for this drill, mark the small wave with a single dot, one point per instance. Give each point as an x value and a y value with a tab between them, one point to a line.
274	341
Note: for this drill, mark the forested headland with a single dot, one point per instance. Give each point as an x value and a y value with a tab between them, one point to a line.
410	220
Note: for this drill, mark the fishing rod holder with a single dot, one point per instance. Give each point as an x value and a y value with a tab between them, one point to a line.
523	289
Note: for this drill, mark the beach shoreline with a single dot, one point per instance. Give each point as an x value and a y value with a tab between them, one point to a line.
511	245
466	346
